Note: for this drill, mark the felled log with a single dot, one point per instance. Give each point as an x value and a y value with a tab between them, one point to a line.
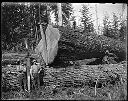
14	58
78	46
76	76
87	75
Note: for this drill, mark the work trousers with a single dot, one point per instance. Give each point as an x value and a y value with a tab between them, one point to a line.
23	80
35	81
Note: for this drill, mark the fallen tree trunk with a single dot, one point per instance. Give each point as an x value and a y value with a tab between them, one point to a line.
78	46
78	76
87	75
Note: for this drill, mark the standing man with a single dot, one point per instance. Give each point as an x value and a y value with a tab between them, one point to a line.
22	76
34	73
42	64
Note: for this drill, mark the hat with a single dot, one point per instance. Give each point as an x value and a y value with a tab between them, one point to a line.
34	60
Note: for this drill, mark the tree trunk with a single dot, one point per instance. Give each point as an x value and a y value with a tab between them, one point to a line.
77	46
59	14
36	35
48	14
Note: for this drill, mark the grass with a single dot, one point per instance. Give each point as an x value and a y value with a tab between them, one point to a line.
70	93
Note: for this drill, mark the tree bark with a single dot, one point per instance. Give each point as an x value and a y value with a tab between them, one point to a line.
86	75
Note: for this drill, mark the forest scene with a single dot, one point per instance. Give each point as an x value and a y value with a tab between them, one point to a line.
87	62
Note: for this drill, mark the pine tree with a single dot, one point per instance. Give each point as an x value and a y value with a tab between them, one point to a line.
20	21
86	19
66	9
115	26
112	29
106	26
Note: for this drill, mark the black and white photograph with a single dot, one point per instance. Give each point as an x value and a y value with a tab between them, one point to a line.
63	51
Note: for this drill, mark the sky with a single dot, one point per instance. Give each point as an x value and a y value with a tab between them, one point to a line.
102	9
107	8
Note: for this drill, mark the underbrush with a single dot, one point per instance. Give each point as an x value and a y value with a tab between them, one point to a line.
70	93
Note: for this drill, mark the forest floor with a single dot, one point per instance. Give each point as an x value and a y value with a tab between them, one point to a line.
71	83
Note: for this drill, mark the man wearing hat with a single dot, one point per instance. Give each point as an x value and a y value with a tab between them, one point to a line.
34	73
